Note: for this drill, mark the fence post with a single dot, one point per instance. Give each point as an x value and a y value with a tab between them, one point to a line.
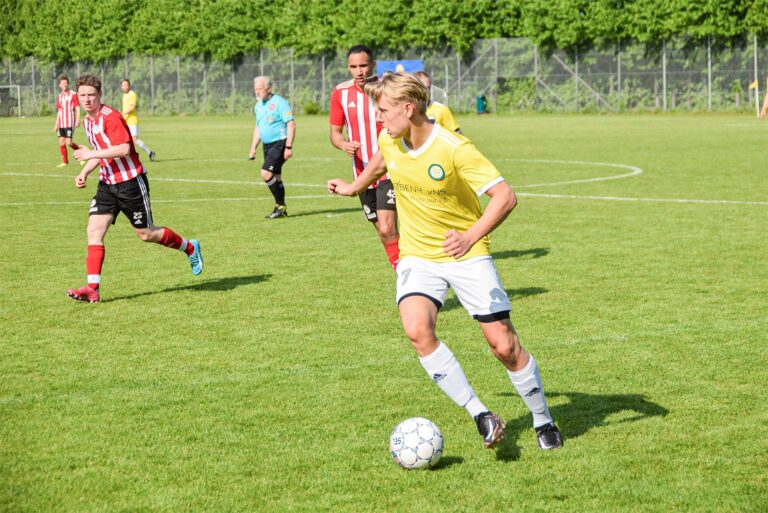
34	94
293	100
576	76
709	73
205	87
322	83
664	75
233	88
536	99
757	91
618	75
458	82
261	62
178	85
125	67
152	84
496	75
10	73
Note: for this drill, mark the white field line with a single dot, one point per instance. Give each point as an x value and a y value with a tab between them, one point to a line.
633	171
647	200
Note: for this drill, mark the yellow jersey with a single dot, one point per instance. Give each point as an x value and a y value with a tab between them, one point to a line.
437	188
442	115
128	99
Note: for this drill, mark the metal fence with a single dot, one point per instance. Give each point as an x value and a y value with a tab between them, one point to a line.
511	73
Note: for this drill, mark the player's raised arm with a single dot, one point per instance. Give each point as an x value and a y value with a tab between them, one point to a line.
372	172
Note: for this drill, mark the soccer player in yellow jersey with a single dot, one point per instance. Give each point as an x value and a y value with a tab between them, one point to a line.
438	176
131	114
436	111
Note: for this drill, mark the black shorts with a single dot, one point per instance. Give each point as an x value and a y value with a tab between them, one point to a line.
380	198
67	132
131	198
274	156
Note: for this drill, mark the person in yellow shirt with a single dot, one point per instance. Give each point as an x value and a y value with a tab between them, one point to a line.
438	176
435	110
131	114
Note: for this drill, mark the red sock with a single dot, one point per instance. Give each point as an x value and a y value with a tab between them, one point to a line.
393	252
74	146
93	263
63	150
173	240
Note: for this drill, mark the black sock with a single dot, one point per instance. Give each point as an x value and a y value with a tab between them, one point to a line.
277	189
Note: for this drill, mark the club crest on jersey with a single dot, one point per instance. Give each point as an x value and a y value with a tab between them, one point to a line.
270	119
271	106
436	172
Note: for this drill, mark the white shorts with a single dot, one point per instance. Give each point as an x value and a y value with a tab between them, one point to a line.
475	281
134	129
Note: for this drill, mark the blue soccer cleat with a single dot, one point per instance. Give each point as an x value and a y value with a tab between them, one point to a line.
196	258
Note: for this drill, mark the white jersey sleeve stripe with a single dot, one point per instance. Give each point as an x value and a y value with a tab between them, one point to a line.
482	190
363	132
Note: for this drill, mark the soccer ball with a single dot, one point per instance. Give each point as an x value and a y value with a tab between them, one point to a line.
416	443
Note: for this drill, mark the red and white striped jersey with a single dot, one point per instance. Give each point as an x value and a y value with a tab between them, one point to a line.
351	107
65	109
109	129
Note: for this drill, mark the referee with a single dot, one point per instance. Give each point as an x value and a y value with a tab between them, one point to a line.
276	128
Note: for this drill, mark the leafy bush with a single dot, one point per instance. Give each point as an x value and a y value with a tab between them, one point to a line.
312	108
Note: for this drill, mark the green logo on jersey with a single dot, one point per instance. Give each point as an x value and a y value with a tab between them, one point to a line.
436	172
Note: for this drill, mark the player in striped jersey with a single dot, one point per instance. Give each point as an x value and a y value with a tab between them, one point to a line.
123	187
67	119
352	109
435	110
438	176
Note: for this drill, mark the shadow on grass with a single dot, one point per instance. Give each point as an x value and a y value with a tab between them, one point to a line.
448	461
217	285
330	211
519	253
452	302
580	414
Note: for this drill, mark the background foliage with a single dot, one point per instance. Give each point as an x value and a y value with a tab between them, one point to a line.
226	30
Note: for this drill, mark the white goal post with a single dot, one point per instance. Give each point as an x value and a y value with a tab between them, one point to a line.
10	99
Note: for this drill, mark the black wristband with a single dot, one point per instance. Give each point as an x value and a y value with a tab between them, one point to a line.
288	147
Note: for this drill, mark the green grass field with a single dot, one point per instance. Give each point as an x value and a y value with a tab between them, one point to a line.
271	382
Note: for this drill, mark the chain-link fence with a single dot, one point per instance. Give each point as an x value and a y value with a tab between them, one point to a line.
511	73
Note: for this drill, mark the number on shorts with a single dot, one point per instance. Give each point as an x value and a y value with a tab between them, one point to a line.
405	275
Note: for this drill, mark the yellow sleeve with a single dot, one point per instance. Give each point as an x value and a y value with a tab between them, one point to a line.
448	120
474	168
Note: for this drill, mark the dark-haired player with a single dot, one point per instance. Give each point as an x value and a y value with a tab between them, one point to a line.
123	187
352	109
67	119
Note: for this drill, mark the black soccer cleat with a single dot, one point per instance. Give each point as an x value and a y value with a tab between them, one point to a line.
152	156
279	211
549	436
491	426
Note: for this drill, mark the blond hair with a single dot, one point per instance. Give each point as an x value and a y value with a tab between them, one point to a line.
399	88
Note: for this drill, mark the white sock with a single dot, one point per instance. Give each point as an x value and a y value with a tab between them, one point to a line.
528	384
445	370
143	146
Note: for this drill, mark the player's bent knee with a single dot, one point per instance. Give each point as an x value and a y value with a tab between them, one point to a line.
419	333
145	234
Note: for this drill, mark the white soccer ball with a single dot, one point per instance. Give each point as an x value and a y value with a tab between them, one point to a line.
416	443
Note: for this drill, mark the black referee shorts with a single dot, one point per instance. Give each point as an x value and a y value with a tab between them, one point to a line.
274	156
